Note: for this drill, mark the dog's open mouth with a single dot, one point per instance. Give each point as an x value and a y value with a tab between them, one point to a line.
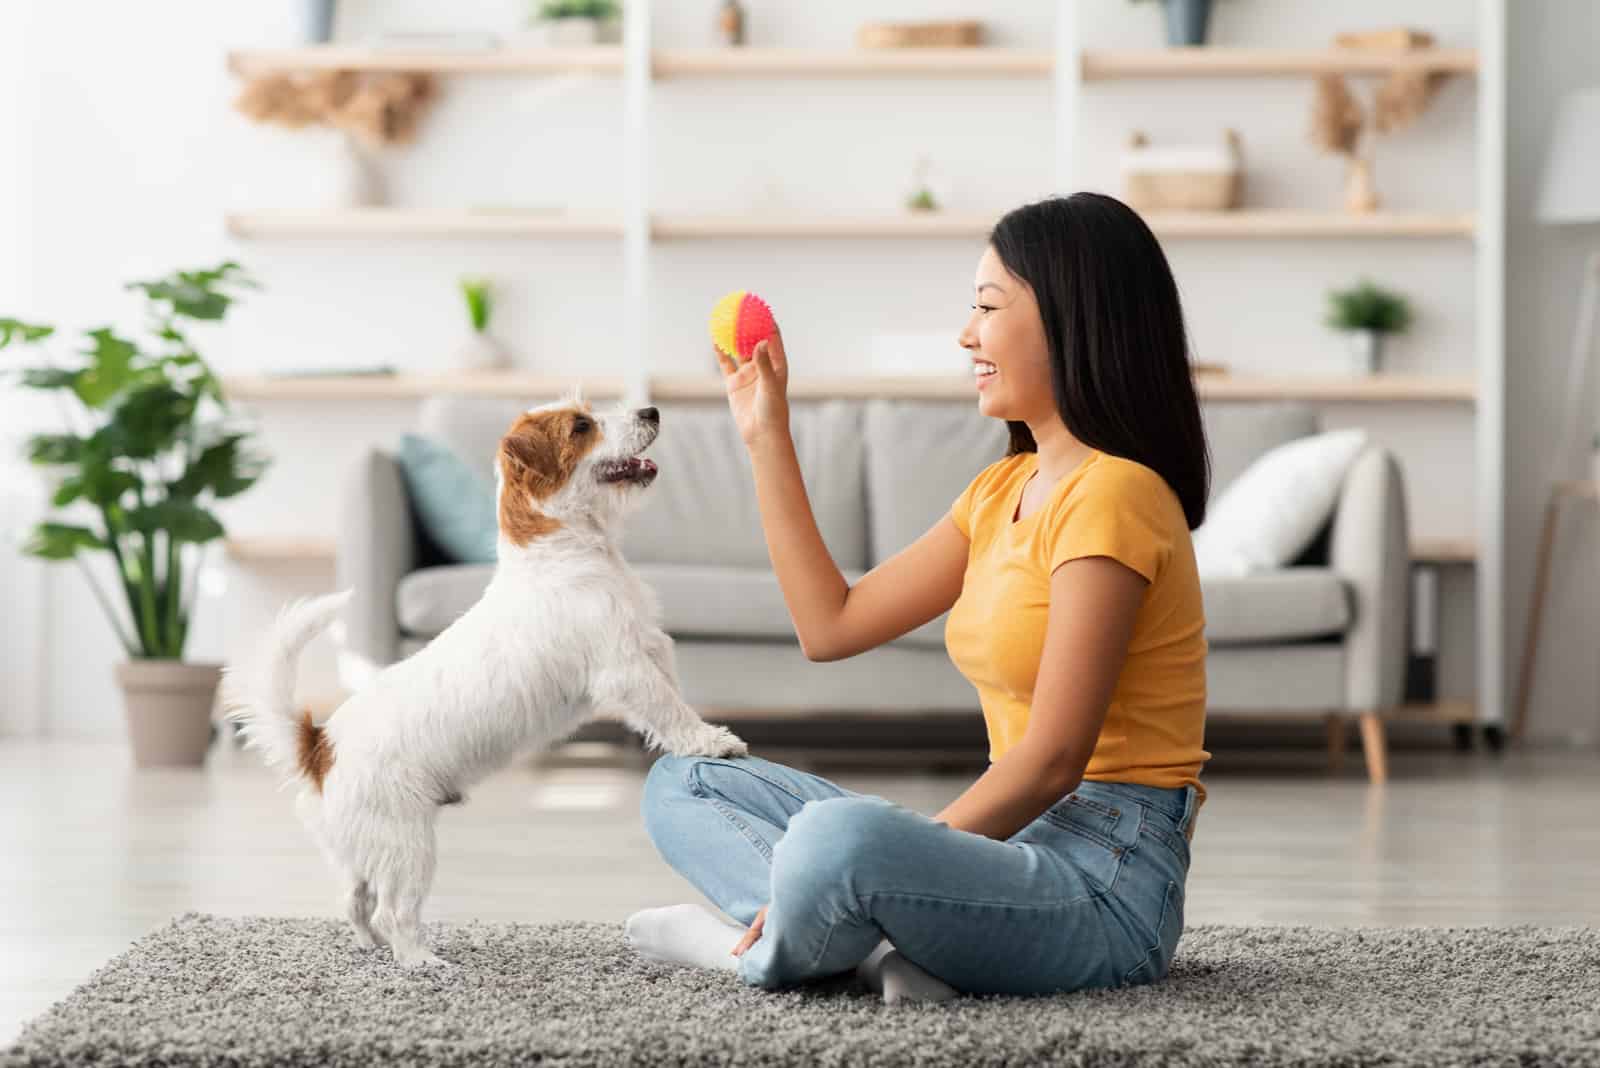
635	469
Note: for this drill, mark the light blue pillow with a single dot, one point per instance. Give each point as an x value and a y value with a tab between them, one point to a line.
454	504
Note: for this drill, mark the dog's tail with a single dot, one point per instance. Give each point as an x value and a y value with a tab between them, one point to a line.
260	698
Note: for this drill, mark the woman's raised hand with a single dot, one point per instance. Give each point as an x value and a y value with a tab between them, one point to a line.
758	390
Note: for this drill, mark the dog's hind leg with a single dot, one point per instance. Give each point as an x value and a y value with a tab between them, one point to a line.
403	880
359	902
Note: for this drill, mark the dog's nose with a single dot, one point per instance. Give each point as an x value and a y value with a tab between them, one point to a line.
650	415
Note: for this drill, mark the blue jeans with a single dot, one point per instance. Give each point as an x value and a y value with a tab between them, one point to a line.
1090	894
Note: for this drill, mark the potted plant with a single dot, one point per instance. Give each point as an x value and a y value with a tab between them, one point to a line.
1186	22
1367	313
148	444
576	23
482	351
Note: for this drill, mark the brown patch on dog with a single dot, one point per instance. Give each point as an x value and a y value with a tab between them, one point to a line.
537	456
316	751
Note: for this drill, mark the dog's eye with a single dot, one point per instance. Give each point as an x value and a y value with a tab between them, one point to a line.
581	425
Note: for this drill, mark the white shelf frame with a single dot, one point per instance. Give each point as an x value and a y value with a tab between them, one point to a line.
1069	67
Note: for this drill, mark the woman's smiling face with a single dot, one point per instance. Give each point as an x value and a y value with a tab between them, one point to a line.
1005	337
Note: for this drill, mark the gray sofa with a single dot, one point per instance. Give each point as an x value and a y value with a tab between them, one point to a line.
1325	638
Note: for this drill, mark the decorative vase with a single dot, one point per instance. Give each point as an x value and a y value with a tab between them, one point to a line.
361	182
730	23
168	706
1186	22
1360	192
319	20
482	352
1366	352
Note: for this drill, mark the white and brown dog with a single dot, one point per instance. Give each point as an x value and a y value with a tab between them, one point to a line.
564	629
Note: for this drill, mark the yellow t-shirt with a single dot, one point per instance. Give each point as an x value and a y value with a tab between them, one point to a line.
1154	729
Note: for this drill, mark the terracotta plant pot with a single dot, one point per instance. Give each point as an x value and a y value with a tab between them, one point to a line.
168	704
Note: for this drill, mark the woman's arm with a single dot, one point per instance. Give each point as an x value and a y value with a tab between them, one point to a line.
1093	604
832	619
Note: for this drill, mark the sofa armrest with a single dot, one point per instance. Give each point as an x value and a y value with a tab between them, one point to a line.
1370	550
377	548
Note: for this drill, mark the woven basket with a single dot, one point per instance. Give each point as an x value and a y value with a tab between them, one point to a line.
961	34
1168	189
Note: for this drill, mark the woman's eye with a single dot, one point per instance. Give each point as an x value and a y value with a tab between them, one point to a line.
984	307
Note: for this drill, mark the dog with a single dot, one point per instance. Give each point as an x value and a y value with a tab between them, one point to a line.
564	629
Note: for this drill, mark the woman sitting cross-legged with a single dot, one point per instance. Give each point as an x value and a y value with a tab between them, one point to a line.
1075	611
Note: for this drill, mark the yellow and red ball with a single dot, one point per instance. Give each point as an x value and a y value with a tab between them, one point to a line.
739	322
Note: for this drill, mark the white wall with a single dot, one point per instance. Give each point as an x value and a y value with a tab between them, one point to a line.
133	155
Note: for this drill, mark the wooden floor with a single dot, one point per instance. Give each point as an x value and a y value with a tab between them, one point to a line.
94	854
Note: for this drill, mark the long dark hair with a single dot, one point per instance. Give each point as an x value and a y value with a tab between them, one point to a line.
1119	358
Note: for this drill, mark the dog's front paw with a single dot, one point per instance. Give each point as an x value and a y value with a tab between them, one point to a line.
713	742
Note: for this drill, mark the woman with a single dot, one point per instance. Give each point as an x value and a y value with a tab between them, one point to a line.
1075	611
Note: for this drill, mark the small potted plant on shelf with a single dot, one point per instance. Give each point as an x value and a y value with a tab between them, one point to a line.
577	23
481	351
1186	22
149	444
1367	313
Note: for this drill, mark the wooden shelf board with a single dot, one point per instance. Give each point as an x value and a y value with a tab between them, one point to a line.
849	63
1212	62
1202	62
1309	224
601	59
408	386
909	225
405	222
1378	388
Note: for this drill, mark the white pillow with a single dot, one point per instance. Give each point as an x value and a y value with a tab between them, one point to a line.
1271	512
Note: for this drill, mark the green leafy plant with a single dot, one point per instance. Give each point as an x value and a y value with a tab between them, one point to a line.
1365	306
577	9
150	444
478	295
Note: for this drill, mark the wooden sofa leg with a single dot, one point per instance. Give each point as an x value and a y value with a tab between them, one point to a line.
1375	748
1338	731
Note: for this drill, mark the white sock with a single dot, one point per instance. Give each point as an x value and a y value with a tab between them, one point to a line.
691	935
887	971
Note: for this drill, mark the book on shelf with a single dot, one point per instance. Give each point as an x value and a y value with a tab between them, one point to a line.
362	370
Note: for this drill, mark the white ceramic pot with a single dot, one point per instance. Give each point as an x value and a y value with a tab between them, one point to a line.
1366	352
482	352
168	706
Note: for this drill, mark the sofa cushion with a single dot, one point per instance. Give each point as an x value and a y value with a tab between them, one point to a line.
429	600
702	509
453	502
711	601
1240	431
920	456
1293	603
697	600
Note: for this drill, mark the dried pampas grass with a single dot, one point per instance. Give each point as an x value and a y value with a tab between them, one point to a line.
1336	117
380	109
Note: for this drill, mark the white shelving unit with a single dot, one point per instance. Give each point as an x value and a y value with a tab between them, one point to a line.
1068	67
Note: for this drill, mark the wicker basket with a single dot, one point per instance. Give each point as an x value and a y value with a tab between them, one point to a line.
1147	186
961	34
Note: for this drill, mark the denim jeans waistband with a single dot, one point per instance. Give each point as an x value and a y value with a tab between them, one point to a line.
1175	802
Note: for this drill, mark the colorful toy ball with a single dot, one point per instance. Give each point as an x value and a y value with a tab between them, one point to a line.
739	322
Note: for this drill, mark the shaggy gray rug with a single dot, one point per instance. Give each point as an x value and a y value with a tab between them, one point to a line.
215	991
